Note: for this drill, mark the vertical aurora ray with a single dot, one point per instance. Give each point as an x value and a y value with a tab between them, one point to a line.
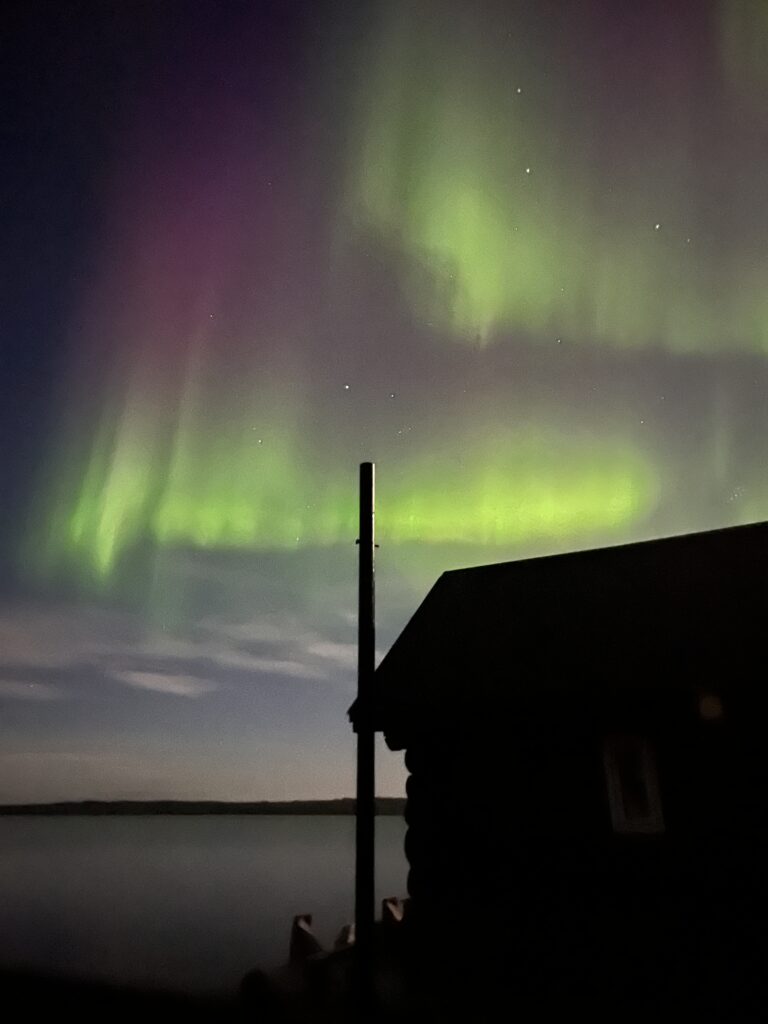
515	215
221	491
200	458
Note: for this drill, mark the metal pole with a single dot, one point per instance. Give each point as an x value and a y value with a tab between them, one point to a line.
365	808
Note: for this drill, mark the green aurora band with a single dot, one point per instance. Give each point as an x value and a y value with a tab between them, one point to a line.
538	485
470	163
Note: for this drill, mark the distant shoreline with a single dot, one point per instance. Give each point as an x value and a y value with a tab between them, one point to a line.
345	805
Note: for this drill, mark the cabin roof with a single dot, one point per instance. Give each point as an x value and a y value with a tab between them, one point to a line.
678	611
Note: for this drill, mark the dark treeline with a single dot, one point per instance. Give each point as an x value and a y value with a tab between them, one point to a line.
344	805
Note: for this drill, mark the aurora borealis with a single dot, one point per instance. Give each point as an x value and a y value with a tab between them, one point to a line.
514	253
515	214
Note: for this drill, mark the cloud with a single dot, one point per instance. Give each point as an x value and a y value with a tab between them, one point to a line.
51	650
261	647
161	682
14	689
279	645
262	630
339	653
50	635
269	666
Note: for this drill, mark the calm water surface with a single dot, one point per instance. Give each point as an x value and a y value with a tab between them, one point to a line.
189	903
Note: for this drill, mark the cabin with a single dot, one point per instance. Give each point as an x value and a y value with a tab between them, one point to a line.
586	736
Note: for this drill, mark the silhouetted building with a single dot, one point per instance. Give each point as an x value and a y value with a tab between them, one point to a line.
586	736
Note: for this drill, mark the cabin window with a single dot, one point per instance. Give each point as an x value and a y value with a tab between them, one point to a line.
633	785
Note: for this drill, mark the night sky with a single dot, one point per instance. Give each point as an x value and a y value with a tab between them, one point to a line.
516	253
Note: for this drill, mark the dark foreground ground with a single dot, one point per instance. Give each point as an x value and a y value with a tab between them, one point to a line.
418	987
33	997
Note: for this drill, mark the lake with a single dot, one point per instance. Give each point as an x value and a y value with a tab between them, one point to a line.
182	903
